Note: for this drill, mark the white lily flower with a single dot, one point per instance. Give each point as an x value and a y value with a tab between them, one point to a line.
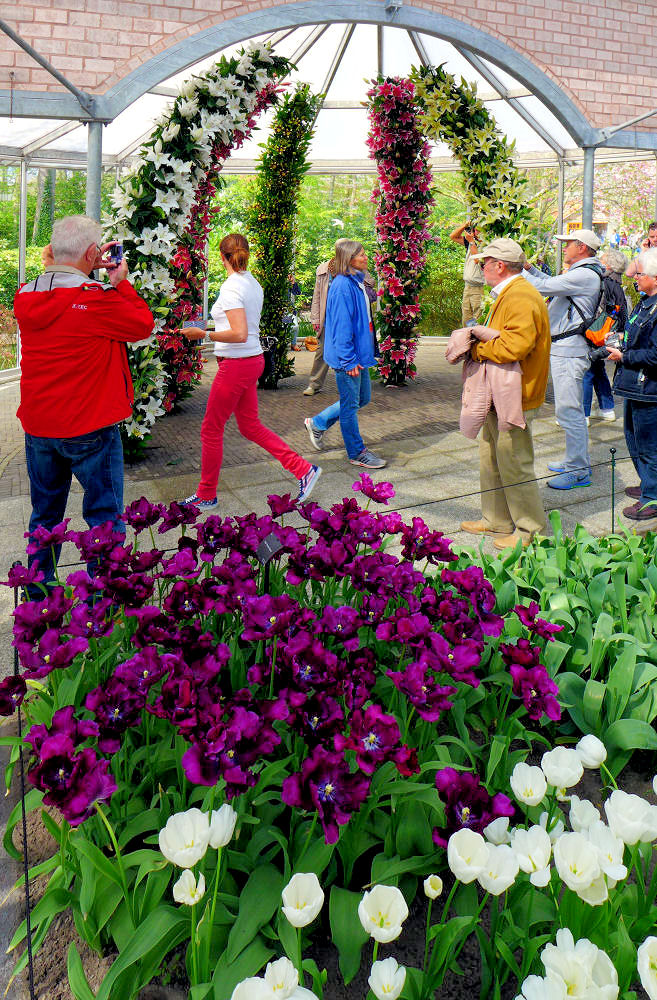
592	751
528	784
187	891
562	767
433	886
166	199
187	109
387	978
382	911
222	825
184	839
533	849
647	966
303	898
467	854
575	862
500	869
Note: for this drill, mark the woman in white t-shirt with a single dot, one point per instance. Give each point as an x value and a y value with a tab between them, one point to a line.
236	315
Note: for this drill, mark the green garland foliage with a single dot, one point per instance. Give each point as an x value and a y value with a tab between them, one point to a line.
453	113
271	216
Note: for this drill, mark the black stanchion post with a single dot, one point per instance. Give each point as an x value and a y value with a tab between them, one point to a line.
268	548
613	488
26	865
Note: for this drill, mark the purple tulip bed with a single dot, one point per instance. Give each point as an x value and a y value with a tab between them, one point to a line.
257	771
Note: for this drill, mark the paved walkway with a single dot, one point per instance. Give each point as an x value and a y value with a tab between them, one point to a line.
433	468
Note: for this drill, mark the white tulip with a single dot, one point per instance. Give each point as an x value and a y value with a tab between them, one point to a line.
533	849
387	978
282	978
576	863
222	824
586	971
537	988
654	784
187	891
467	854
592	751
610	850
647	966
556	826
253	989
382	912
184	839
433	886
582	814
629	817
303	898
500	870
562	767
595	893
528	784
497	832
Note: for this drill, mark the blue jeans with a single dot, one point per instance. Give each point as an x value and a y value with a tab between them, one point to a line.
641	437
96	461
355	391
567	378
596	378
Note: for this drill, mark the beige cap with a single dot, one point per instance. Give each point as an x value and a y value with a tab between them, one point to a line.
502	249
585	236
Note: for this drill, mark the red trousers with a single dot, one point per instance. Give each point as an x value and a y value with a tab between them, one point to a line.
234	390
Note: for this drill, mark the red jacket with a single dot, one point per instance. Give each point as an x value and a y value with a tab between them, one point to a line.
75	376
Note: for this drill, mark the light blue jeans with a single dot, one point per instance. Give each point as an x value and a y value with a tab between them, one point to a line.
355	392
567	380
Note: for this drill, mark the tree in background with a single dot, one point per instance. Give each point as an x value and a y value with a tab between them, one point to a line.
271	217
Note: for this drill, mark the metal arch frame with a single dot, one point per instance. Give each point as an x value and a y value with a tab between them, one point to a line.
309	12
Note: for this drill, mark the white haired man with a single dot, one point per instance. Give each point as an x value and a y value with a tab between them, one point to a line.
75	378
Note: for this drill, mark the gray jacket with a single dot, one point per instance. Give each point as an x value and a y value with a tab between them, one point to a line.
583	287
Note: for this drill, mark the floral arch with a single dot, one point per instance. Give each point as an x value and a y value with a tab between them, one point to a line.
163	218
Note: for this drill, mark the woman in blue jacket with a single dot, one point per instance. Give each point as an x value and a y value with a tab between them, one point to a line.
636	381
349	348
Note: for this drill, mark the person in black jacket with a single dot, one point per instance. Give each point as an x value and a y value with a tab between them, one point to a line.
636	382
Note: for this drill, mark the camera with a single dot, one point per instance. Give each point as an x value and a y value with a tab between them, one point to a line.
600	353
116	254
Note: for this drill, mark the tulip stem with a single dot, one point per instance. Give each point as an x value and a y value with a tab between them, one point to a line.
606	770
119	861
307	841
426	937
194	949
299	957
525	948
375	952
217	879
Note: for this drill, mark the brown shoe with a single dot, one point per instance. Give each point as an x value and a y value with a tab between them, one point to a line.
510	541
633	491
639	512
481	528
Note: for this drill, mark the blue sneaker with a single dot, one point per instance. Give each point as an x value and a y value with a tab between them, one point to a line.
201	504
556	467
307	482
569	481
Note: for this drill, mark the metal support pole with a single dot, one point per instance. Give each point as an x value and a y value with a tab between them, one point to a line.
205	285
94	168
560	206
655	215
52	183
22	222
587	187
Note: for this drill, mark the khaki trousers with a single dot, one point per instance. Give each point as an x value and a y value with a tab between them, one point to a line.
471	302
319	370
507	458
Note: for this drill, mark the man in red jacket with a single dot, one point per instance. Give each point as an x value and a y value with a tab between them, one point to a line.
75	378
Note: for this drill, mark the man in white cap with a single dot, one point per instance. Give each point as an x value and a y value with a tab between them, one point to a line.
511	506
574	297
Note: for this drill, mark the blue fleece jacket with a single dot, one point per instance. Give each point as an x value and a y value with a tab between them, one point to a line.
348	340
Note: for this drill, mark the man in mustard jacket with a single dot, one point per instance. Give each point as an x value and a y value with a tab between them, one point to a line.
511	506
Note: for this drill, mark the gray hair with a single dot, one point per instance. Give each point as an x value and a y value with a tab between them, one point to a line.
344	251
614	260
72	236
648	262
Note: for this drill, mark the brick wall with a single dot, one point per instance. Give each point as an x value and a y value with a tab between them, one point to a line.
590	49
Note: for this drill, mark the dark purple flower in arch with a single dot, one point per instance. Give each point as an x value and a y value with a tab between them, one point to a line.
280	505
538	626
467	804
12	692
522	652
379	492
22	576
44	538
325	784
375	738
71	782
428	698
142	514
537	691
52	653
